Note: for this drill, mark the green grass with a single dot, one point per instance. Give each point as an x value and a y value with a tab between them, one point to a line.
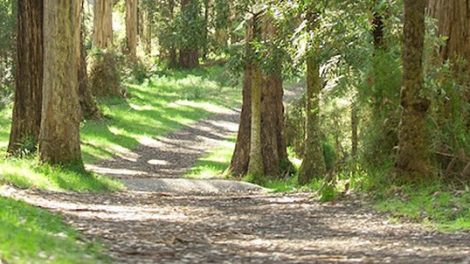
214	163
435	206
31	235
163	104
167	102
28	173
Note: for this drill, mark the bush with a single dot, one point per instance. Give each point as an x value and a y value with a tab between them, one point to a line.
105	74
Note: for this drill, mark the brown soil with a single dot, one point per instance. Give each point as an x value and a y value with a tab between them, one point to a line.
161	219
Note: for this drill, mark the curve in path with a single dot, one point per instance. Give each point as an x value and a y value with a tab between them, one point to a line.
138	226
157	165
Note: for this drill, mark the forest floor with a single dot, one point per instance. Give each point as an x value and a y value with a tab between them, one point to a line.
163	218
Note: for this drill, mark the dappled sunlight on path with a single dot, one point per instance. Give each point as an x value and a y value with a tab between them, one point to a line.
145	227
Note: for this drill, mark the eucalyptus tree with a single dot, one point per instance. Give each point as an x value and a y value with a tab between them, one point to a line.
191	33
261	149
29	77
103	24
59	137
131	28
413	157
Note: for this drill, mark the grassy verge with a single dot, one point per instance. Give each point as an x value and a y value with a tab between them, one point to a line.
168	102
163	104
435	206
31	235
214	163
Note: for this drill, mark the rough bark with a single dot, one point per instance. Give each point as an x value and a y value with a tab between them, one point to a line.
313	163
413	163
146	37
188	56
103	24
274	161
131	28
453	22
88	106
273	139
59	138
241	155
29	73
255	165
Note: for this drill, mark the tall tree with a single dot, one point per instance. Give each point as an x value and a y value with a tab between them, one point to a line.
29	74
241	155
191	31
413	162
453	22
103	24
131	28
88	105
59	138
313	164
260	148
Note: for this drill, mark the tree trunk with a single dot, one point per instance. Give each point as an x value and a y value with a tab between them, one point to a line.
146	37
255	162
453	22
255	165
59	138
205	48
131	28
189	56
173	52
354	129
241	155
276	163
413	163
103	24
313	164
268	135
29	75
88	106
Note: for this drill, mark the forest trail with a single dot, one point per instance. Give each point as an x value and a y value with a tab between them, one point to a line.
158	165
205	222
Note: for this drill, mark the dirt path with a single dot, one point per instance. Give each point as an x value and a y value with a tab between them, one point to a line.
157	165
163	219
143	227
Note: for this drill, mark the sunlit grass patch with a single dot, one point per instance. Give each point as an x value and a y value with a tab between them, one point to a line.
434	206
162	104
214	163
31	235
28	173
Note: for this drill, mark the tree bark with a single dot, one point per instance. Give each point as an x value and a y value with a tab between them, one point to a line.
255	165
29	75
189	56
103	24
241	155
269	136
59	138
453	22
88	106
131	28
313	163
147	24
413	163
275	159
